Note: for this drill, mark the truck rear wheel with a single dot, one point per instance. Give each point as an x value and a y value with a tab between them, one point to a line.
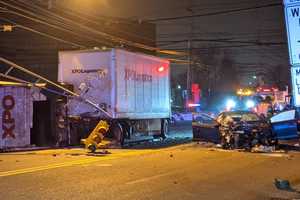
118	134
164	128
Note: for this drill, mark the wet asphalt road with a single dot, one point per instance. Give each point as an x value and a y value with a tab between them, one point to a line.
157	170
187	171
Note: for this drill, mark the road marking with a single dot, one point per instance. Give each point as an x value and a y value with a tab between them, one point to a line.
75	162
149	178
104	165
97	165
46	167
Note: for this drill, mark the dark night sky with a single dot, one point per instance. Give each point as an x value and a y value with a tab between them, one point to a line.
254	40
251	41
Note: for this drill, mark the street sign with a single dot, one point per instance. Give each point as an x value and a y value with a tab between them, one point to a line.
292	20
296	85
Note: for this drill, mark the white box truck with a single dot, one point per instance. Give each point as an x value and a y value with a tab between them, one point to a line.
133	88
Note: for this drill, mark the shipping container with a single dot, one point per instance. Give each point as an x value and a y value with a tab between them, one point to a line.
128	85
15	117
133	88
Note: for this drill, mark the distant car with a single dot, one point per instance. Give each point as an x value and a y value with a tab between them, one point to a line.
181	116
281	126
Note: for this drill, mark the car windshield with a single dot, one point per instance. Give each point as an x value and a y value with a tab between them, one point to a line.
247	117
204	119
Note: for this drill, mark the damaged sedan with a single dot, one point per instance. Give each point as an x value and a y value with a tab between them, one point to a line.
245	129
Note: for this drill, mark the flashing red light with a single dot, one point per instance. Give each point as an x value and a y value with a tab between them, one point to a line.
161	69
266	90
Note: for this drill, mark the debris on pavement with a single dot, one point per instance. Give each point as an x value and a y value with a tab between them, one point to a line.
105	152
283	185
99	153
75	154
263	149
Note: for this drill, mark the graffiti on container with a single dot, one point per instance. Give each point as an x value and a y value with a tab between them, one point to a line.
133	75
8	122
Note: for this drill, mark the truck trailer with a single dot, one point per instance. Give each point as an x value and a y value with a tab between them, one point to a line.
132	90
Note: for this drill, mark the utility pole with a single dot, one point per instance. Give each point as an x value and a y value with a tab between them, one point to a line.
189	78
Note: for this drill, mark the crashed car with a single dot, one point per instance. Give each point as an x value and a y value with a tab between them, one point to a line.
245	129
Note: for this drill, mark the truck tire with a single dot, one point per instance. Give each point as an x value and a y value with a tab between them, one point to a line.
164	128
118	133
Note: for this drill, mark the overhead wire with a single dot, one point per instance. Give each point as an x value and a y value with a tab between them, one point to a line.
65	41
158	41
41	13
57	27
105	35
43	34
215	13
224	41
221	46
88	18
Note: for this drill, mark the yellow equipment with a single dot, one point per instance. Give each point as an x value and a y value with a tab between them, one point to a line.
96	137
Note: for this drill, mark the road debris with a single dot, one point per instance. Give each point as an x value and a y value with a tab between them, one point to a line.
99	153
282	184
74	154
263	149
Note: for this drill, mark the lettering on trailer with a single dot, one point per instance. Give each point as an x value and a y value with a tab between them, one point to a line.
292	17
133	75
8	122
100	72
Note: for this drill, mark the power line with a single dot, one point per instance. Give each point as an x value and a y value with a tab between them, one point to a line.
51	14
225	47
61	29
214	13
43	34
71	43
57	27
224	41
105	35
